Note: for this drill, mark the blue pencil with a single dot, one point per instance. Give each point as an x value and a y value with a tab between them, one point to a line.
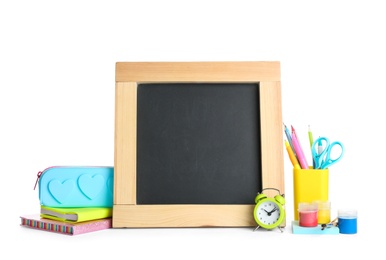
288	134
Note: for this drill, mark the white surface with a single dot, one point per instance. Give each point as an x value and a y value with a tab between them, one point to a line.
57	79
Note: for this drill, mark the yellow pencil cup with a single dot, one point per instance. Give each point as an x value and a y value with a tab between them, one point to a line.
309	185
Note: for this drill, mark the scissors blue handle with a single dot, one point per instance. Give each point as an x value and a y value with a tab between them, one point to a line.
323	158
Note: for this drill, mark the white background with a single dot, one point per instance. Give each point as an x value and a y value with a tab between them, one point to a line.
57	79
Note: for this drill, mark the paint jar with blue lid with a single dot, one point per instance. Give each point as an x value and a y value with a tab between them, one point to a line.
347	221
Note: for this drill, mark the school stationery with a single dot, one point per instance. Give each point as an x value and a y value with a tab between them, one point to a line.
311	139
308	214
44	224
75	214
289	138
76	186
310	185
324	212
298	150
168	156
291	155
323	159
347	221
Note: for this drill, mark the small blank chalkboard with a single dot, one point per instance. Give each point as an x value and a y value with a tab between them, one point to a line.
195	142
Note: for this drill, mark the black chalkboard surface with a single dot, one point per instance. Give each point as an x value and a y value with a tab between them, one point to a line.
198	143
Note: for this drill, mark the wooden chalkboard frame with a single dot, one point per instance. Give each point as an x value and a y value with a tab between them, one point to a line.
126	211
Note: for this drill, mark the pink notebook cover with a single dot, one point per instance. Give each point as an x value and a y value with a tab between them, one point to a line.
36	222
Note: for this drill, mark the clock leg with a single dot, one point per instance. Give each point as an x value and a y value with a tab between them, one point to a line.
256	228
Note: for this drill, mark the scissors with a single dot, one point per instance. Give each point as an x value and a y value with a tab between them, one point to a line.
322	157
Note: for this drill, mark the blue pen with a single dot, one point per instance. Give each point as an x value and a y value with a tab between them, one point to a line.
319	151
289	138
320	146
311	139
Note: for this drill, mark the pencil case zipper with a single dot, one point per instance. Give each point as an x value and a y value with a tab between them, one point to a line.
39	174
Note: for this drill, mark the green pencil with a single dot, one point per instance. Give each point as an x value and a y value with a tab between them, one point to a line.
310	136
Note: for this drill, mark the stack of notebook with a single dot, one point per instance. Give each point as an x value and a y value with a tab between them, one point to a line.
73	200
65	227
70	221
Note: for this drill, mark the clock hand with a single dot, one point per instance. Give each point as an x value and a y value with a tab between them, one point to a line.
273	210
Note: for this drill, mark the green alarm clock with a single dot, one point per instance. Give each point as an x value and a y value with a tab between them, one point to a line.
269	213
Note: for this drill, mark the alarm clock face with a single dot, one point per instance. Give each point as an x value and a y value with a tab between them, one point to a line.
268	214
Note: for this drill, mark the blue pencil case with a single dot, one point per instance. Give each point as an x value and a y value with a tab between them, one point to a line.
76	186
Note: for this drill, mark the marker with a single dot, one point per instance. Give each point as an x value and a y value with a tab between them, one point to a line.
291	155
298	150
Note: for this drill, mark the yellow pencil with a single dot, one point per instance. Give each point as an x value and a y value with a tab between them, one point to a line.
291	155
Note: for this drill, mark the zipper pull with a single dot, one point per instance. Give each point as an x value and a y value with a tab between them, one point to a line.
37	179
